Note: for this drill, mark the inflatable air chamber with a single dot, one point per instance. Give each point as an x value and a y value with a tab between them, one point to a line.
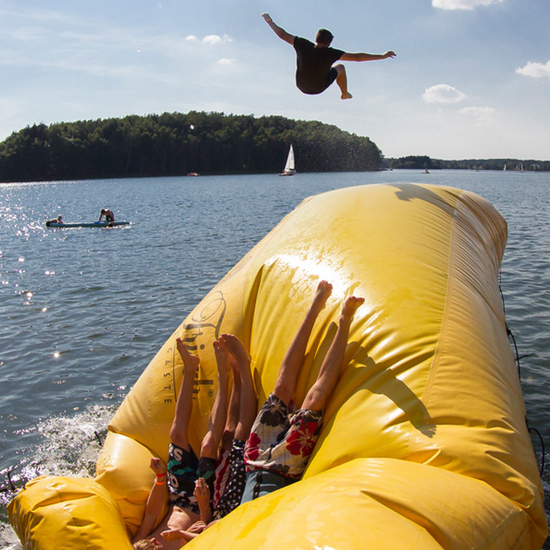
424	445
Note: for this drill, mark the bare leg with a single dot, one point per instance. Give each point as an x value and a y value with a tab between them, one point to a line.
319	394
234	406
249	401
184	404
342	81
294	358
211	441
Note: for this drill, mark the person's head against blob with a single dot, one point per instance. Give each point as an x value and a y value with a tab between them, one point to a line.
324	37
146	544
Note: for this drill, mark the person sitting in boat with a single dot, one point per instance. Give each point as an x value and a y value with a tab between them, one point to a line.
109	216
315	70
281	442
59	219
191	482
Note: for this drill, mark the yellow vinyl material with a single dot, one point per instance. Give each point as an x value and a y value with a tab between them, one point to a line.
424	444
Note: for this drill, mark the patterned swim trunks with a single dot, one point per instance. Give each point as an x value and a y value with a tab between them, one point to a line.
222	476
183	471
281	442
236	480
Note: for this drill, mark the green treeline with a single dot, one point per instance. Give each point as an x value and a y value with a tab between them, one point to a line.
175	144
422	162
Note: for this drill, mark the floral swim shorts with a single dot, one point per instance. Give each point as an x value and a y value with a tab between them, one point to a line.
281	442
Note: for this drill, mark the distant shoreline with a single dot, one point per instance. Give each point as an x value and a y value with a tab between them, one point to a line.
503	164
205	176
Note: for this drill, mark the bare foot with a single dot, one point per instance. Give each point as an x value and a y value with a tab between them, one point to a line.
222	360
350	306
236	349
347	95
189	361
324	290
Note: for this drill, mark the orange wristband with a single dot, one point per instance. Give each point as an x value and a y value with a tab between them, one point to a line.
160	477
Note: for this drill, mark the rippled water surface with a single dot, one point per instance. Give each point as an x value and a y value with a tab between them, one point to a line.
83	311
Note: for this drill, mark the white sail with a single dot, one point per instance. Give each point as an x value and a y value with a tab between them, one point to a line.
290	166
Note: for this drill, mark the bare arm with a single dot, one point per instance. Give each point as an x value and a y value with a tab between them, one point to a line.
202	494
173	534
154	501
366	56
279	31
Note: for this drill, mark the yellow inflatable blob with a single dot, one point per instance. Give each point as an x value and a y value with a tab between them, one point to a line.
424	444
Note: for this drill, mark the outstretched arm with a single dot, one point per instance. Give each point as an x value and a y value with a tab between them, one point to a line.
202	494
366	56
279	31
154	502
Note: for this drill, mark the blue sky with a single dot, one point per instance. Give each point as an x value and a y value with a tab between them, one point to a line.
471	78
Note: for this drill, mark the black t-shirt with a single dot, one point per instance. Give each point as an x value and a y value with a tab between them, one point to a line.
313	65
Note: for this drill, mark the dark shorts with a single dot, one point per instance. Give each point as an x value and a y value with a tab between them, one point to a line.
262	482
331	77
313	89
233	491
183	471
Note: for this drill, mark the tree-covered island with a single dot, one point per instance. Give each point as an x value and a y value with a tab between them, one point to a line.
175	144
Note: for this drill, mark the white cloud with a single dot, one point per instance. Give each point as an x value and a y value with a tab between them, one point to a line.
481	115
442	93
225	61
212	39
215	39
463	4
536	70
191	38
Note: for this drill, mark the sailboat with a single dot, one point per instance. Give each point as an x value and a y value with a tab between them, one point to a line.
290	166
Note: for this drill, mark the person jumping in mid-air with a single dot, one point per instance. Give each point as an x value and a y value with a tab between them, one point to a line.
315	69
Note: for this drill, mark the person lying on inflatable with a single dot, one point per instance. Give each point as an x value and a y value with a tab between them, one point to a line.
278	444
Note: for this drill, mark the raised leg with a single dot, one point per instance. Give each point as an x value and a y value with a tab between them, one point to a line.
319	394
294	358
211	441
184	404
342	81
248	399
234	406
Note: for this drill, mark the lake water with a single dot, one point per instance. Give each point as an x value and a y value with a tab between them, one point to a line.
83	311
